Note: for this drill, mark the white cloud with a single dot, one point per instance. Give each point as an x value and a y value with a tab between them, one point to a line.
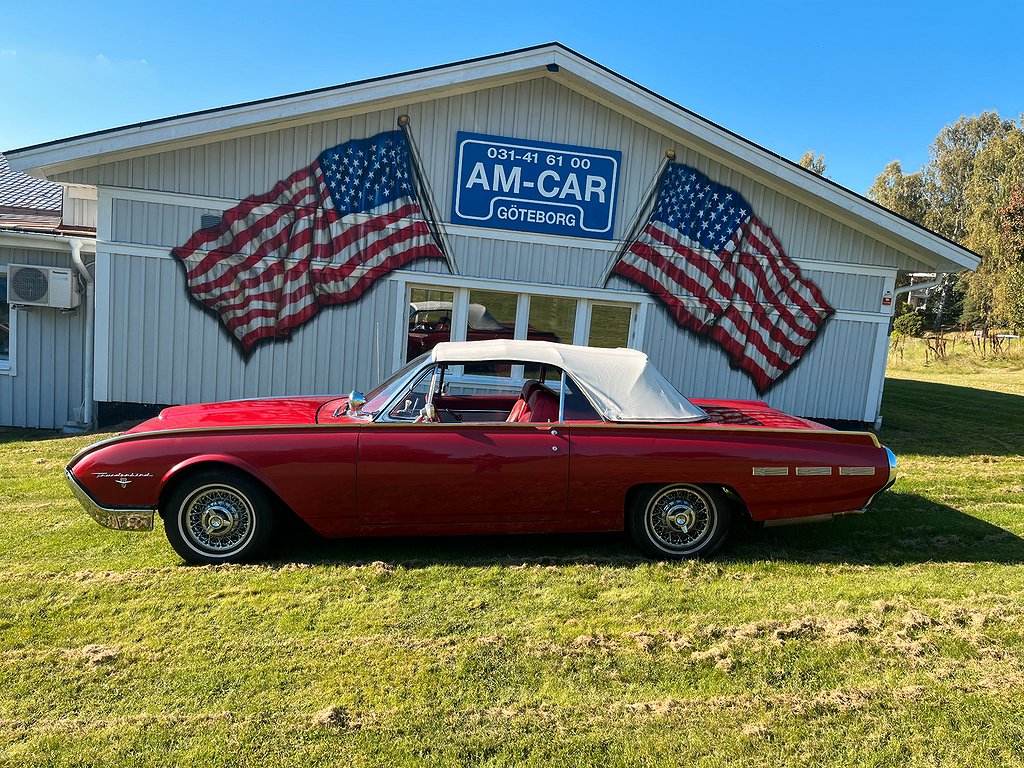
8	53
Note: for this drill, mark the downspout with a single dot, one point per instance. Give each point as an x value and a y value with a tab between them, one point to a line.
89	404
898	291
919	286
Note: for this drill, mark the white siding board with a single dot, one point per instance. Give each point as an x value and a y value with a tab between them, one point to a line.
829	383
165	349
188	357
48	357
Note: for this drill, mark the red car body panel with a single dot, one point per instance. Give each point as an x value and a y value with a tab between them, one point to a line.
345	476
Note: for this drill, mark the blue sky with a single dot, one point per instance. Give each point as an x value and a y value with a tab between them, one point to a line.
864	83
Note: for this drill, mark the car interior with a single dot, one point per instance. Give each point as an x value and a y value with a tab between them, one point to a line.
456	397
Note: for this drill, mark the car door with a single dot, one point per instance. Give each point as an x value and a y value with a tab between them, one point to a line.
459	477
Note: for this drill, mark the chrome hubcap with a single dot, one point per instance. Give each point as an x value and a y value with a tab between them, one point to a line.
217	519
681	518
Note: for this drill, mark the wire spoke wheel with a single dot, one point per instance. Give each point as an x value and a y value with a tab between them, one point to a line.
680	517
217	517
677	521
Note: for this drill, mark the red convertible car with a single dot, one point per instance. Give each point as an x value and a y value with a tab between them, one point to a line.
594	440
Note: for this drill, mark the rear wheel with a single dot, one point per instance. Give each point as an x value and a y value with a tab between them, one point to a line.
672	522
218	516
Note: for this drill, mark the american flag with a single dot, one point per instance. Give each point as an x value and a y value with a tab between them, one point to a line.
723	274
322	236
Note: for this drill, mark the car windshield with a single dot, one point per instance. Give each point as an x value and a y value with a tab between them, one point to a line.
383	392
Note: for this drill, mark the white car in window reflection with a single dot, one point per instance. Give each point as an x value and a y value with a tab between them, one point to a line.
430	322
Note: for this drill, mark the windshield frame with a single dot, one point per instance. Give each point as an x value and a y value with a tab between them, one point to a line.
380	397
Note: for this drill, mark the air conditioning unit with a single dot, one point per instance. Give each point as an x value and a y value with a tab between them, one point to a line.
33	286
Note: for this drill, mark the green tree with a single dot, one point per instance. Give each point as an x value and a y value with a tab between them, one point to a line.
963	193
901	193
1011	239
813	162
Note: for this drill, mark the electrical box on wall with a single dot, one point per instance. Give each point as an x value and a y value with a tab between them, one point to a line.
29	285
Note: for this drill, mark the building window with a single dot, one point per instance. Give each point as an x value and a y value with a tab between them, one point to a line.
439	314
609	325
430	320
6	330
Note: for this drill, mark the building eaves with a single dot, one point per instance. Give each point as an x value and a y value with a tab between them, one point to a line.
550	59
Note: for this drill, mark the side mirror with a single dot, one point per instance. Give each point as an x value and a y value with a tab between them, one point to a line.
356	400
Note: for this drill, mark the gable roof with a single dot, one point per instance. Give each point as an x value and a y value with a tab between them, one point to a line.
552	60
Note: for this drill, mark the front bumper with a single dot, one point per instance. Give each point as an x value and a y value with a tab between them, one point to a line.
118	518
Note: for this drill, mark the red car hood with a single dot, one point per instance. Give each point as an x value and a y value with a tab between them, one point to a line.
242	413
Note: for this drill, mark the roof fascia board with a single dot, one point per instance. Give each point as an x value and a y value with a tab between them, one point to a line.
252	129
616	92
69	154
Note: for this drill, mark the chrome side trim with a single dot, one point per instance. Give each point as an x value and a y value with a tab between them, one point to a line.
680	426
117	518
810	518
770	471
857	471
797	520
814	471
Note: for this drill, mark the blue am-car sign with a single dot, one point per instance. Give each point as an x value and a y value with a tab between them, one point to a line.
535	186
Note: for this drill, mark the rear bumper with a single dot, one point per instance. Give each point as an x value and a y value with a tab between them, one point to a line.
117	518
891	480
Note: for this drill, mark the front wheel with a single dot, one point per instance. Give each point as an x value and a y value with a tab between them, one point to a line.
218	516
672	522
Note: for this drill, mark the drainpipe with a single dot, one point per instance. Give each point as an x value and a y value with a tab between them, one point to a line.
919	286
89	405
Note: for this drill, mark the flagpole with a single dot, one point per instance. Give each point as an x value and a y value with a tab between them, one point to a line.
434	223
638	218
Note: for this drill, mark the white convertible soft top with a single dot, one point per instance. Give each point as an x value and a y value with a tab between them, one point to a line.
621	383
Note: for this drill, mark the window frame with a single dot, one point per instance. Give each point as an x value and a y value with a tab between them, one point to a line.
8	367
585	298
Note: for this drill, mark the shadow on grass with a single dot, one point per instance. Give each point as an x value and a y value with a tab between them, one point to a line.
942	420
21	435
900	529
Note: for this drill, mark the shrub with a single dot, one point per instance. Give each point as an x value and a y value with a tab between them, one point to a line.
908	324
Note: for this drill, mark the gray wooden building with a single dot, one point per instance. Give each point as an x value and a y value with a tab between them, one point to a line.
43	344
153	183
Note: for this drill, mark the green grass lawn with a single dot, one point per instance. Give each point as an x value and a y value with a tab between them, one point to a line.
894	638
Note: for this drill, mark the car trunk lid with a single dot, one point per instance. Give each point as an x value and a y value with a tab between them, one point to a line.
753	413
